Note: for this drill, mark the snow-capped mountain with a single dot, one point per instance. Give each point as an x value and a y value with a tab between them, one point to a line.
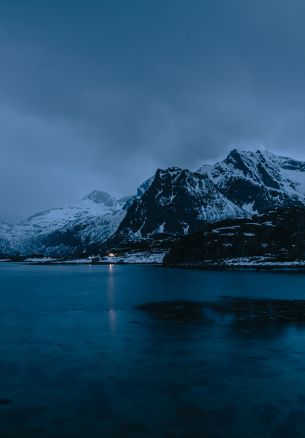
177	201
259	181
64	231
172	202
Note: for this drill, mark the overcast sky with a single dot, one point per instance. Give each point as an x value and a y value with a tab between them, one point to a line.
98	94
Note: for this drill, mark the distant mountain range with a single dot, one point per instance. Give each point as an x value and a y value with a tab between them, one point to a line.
65	231
173	202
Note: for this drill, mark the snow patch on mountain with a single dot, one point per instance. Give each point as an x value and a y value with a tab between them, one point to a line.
259	181
177	201
174	201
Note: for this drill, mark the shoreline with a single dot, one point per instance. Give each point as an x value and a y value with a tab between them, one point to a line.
292	266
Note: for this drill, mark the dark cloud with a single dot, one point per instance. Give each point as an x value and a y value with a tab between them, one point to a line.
98	94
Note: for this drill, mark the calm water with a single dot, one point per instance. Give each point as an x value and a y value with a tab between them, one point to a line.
77	360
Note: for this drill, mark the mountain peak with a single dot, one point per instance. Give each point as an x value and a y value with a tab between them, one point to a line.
259	180
173	170
178	201
259	153
100	197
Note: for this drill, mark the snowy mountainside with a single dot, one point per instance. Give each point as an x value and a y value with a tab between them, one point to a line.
144	186
259	181
177	201
171	203
61	231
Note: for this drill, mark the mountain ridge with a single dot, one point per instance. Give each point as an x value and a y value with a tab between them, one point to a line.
173	202
178	201
261	180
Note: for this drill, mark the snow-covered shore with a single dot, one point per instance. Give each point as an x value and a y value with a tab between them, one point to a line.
240	263
262	261
146	258
143	257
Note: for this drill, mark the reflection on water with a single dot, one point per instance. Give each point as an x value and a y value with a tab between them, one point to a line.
112	319
110	297
77	358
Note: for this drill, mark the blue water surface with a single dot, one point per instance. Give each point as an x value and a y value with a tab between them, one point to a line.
77	359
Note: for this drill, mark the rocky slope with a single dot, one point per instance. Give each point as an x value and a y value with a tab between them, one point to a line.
177	202
173	202
277	235
259	181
